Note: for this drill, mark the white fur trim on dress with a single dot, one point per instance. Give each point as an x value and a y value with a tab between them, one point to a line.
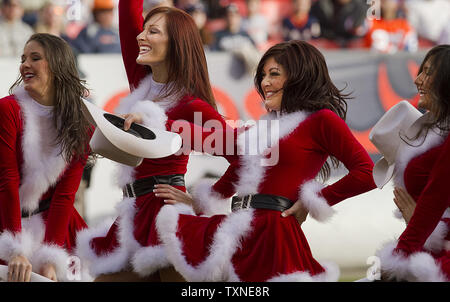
254	144
227	240
40	169
153	116
331	274
417	267
120	257
149	259
12	245
208	201
54	254
144	91
406	153
436	241
317	206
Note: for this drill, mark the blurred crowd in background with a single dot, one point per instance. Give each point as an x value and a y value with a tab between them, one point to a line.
244	27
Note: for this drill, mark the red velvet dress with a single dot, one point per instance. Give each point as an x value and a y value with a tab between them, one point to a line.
132	239
32	170
422	253
259	244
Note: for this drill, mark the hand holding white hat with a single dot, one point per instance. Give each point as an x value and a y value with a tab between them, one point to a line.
128	146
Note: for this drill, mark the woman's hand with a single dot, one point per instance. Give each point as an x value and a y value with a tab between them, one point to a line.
19	269
405	203
48	271
130	118
172	195
298	210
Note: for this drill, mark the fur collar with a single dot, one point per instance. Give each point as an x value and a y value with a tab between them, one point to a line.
40	170
259	141
406	153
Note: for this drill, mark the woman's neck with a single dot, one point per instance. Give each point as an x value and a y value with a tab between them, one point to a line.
159	74
46	99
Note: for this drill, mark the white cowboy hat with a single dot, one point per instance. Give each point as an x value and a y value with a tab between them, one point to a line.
34	277
128	147
385	135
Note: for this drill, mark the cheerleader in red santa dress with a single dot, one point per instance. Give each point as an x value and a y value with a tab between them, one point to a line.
167	72
43	149
274	177
422	252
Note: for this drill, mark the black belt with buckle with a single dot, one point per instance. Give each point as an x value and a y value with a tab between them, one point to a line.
261	201
44	205
145	185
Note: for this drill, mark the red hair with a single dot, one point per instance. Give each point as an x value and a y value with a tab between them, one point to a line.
187	67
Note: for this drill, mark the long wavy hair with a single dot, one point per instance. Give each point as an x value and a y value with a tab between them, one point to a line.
308	86
187	67
71	125
438	90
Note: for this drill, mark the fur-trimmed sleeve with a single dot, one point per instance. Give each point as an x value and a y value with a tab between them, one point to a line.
333	137
213	197
430	206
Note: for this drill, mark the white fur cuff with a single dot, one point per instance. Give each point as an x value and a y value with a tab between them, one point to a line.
209	202
417	267
435	242
12	245
56	255
153	116
317	206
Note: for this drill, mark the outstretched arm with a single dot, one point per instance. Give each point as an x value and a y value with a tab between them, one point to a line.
130	26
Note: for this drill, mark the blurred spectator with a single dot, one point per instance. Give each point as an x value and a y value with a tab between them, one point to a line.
341	20
256	24
50	19
151	4
236	41
445	35
184	4
31	11
391	34
198	13
301	25
13	31
100	36
428	17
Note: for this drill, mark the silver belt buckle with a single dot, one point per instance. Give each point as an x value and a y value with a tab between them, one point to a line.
242	203
129	187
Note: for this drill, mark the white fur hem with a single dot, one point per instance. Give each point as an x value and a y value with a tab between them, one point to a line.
53	254
417	267
209	202
12	245
331	274
317	206
227	239
153	115
149	259
99	264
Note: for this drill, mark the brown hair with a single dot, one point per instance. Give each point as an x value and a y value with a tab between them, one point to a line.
308	86
439	73
71	125
187	67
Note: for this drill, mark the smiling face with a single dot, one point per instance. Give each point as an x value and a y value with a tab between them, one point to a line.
153	42
422	82
36	73
272	82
